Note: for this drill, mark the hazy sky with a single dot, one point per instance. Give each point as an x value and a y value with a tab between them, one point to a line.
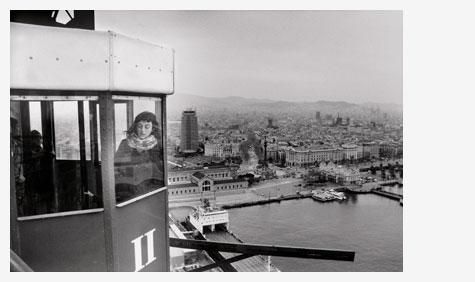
353	56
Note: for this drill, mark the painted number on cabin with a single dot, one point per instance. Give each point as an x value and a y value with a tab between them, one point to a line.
137	242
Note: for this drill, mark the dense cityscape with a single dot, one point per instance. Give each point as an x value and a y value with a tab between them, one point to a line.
220	162
290	140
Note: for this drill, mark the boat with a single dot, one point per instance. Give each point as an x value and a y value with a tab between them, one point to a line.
207	216
212	224
338	195
322	196
330	195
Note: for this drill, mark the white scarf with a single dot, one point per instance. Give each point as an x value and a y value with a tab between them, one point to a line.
141	144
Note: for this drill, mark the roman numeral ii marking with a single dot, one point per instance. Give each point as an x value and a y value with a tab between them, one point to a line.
138	250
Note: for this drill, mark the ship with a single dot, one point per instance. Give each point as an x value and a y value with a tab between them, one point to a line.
212	223
325	196
322	196
208	217
338	195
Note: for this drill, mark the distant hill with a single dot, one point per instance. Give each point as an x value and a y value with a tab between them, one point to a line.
234	104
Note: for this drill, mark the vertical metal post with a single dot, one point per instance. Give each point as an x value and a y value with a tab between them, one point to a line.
165	173
95	145
84	204
49	147
106	106
24	124
14	233
130	113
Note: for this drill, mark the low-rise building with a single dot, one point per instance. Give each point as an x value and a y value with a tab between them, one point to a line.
339	174
370	150
204	180
390	150
304	157
222	150
350	151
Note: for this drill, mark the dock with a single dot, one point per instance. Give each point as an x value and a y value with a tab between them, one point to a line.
267	201
386	194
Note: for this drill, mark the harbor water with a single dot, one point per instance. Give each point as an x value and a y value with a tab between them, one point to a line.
370	225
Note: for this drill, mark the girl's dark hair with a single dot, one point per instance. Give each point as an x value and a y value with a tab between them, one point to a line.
145	116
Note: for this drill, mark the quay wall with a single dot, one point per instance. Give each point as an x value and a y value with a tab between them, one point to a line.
265	201
387	194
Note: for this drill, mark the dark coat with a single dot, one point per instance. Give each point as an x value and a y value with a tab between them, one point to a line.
137	172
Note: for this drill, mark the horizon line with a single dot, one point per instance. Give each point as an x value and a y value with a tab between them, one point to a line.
303	101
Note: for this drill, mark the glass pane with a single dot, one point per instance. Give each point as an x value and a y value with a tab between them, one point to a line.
49	174
87	130
98	131
120	123
144	104
139	155
66	130
35	117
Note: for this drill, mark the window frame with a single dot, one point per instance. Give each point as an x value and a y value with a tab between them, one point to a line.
104	101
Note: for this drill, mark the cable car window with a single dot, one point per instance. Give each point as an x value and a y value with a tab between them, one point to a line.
66	130
139	155
120	110
50	140
96	124
87	130
143	105
35	117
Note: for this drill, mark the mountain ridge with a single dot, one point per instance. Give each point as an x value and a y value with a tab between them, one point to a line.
179	102
266	100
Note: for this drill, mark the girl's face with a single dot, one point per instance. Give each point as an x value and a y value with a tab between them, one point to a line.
144	129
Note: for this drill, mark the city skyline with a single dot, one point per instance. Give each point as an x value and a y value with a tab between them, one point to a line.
353	56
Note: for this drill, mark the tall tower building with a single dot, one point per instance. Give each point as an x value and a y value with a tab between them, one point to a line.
269	123
318	117
189	131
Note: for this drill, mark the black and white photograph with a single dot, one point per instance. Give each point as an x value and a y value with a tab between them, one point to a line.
210	140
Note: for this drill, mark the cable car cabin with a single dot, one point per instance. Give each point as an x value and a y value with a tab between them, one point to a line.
88	151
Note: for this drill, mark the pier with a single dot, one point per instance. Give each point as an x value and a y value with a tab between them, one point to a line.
386	194
231	254
390	182
267	201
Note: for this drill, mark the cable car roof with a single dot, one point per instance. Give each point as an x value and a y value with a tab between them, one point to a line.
48	58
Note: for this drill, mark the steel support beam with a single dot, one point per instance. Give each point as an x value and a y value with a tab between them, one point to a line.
267	250
221	263
218	258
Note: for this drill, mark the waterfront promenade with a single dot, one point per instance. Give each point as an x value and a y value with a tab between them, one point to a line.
256	192
274	190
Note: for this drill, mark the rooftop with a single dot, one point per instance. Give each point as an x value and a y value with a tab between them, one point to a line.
227	181
184	185
199	175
